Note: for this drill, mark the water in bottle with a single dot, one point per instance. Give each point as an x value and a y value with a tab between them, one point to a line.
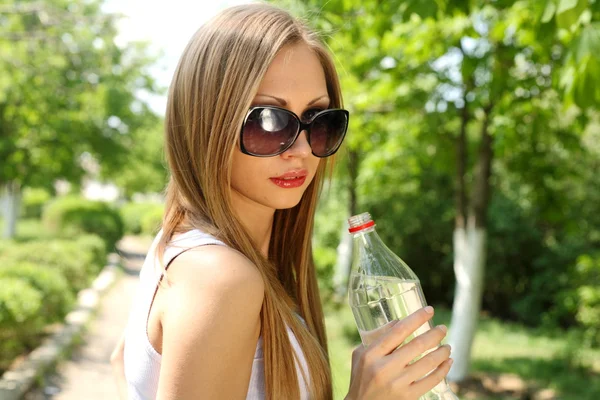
383	289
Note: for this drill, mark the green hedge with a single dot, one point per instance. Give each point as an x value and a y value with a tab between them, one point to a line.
70	216
53	286
39	281
134	213
20	318
79	261
33	202
96	247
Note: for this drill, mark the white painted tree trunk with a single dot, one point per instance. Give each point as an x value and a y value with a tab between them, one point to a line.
469	263
343	262
11	199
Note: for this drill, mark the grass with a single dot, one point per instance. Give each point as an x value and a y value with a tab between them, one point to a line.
546	361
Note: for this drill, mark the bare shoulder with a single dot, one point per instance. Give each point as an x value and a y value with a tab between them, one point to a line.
210	317
211	273
220	267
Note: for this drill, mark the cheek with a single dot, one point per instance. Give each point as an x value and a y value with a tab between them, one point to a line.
247	172
313	165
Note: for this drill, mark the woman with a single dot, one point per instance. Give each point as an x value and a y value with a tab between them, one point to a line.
254	112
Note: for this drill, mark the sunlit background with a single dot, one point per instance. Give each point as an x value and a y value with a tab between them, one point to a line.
474	142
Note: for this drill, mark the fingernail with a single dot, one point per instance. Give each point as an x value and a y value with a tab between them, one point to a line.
429	309
450	361
443	328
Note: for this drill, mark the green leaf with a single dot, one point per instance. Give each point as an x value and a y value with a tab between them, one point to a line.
549	12
565	5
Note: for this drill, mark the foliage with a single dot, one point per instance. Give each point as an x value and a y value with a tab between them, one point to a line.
74	261
20	317
584	296
50	283
151	221
144	170
541	360
39	281
67	90
412	74
70	216
133	214
95	246
33	202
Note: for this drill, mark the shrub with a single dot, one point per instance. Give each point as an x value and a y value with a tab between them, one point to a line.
38	283
133	214
151	221
4	245
95	246
33	202
70	216
20	318
587	298
75	265
54	288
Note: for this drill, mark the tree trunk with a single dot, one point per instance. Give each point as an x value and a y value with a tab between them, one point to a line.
11	199
344	249
469	259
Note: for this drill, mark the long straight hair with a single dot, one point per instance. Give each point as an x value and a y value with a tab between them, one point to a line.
214	84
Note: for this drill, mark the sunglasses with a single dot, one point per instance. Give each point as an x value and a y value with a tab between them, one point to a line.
269	131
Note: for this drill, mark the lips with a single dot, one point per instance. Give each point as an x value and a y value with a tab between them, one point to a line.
291	179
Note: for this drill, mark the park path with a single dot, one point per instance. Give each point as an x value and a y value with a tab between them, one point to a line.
87	374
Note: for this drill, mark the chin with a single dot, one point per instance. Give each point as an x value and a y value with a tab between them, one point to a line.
284	202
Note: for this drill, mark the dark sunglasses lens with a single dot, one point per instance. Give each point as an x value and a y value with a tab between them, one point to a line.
267	131
327	132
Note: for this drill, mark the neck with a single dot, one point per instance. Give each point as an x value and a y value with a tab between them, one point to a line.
256	219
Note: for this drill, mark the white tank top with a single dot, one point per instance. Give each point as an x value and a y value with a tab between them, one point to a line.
142	361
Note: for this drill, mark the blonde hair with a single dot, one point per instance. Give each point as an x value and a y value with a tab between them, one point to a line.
214	84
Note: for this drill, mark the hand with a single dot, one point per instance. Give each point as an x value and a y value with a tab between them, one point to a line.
382	370
117	360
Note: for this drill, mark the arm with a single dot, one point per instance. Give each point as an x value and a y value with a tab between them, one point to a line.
116	361
210	315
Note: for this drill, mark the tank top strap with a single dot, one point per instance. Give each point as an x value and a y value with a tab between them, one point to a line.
187	241
152	273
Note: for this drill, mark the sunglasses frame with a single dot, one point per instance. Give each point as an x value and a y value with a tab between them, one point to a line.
302	126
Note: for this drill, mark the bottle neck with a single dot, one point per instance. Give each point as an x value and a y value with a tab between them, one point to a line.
370	256
367	238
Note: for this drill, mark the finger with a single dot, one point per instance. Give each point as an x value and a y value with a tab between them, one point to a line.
424	385
425	365
400	331
421	344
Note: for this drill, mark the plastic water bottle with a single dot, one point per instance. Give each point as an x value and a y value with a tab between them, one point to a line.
382	289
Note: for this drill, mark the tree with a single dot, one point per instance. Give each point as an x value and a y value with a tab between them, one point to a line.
478	78
66	88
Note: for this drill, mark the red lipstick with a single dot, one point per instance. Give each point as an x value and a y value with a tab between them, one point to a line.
291	179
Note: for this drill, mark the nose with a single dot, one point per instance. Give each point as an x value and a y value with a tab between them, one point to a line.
300	148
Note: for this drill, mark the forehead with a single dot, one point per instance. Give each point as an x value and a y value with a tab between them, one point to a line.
296	72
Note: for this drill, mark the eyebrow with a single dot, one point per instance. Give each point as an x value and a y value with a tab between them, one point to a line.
284	103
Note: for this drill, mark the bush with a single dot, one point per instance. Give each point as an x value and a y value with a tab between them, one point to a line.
75	264
585	295
133	214
151	221
33	202
4	244
71	216
20	318
95	246
54	288
38	281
